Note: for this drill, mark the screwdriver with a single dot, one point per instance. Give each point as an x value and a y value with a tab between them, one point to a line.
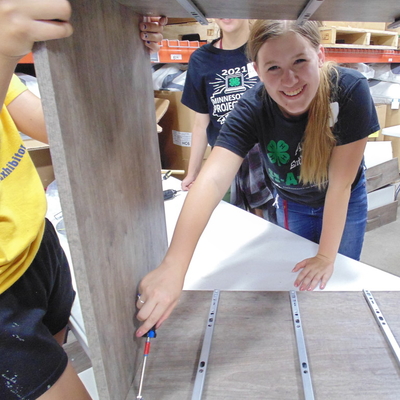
149	335
170	193
167	175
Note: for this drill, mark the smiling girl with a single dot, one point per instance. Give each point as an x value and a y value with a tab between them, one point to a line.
311	120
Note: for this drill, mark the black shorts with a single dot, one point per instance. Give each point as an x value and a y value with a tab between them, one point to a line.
32	310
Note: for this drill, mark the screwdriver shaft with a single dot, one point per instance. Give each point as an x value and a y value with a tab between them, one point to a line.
145	354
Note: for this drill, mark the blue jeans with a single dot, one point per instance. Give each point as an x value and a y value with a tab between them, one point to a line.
307	221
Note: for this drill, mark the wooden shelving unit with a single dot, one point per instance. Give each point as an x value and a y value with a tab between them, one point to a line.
348	37
354	45
342	44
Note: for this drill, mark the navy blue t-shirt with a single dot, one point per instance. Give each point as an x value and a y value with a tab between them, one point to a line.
258	119
216	80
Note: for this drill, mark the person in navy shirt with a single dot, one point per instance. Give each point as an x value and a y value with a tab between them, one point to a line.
219	74
311	120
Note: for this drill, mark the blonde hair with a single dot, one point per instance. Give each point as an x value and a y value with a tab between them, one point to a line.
318	141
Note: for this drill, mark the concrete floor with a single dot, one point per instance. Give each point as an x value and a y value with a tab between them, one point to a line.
382	247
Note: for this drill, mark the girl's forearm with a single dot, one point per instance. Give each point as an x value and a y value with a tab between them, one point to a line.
197	150
333	222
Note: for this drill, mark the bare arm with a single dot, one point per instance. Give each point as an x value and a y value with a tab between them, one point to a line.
344	164
161	288
27	112
22	23
197	150
26	109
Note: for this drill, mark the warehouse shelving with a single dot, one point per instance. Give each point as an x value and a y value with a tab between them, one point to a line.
353	55
173	51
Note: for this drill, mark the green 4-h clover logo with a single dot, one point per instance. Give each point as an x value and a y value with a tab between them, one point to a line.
233	82
277	152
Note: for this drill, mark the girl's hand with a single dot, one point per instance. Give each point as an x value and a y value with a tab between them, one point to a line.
314	270
187	182
151	32
159	294
24	22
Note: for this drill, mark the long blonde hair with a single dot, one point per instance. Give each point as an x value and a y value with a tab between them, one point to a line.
318	140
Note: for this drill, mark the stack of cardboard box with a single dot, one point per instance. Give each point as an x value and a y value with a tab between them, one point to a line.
176	137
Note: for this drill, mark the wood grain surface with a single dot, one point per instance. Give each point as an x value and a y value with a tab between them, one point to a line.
98	101
254	353
338	10
174	354
348	355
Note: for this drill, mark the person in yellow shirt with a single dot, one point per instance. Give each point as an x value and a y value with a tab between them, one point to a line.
36	293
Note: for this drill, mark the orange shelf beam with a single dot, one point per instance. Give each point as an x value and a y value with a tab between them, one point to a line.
180	51
28	59
362	55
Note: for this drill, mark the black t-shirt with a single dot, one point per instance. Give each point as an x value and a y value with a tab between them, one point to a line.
258	119
216	80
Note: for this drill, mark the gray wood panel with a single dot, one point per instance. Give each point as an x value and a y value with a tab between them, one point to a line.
348	355
337	10
383	215
382	174
254	353
174	354
389	303
98	101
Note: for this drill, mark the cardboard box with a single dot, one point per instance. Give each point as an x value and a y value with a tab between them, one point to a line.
40	155
392	134
161	106
392	129
392	117
207	32
381	112
176	137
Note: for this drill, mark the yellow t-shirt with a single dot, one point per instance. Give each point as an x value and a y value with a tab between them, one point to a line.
22	198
